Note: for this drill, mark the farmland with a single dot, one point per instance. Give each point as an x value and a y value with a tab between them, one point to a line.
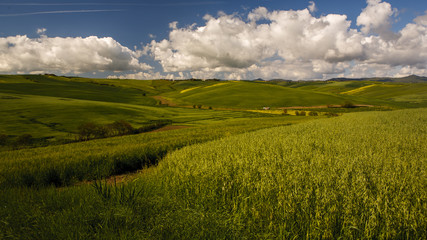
229	170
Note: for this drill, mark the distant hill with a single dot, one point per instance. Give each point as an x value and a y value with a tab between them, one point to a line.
408	79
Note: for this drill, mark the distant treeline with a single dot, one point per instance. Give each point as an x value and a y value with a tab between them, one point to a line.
91	130
85	131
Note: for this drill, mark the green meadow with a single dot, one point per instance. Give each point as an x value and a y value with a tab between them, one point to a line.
337	159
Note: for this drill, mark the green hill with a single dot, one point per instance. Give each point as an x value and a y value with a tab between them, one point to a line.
48	106
359	176
252	95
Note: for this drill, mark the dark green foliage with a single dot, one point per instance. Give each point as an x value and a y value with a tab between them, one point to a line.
312	113
24	139
90	130
331	114
348	105
120	128
3	139
300	113
153	125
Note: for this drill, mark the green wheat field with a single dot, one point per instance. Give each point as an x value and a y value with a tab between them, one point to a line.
126	159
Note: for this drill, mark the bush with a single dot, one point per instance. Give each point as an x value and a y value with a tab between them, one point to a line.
313	113
301	113
24	139
331	114
3	139
348	105
87	131
122	127
153	125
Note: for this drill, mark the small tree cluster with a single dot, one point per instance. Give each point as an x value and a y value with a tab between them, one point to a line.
348	105
331	114
300	113
24	139
92	130
313	113
3	139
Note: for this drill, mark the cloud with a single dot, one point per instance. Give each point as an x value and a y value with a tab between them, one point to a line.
149	75
41	30
294	45
312	7
228	43
66	55
376	18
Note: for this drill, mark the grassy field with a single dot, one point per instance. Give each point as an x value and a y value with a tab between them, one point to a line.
252	95
230	170
358	176
70	163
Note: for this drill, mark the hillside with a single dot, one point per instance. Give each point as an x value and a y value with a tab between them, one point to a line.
359	176
251	95
52	107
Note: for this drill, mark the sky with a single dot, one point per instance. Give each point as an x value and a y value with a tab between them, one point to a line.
239	39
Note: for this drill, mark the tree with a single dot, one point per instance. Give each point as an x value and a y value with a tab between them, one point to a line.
87	130
348	105
24	139
3	139
122	127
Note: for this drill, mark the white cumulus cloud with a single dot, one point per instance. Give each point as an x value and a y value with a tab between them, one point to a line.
376	18
294	45
41	30
20	54
312	6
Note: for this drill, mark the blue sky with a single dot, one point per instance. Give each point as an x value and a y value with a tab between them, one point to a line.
135	39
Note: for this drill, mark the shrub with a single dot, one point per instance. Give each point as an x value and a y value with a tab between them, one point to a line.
3	139
122	127
87	131
300	113
313	113
331	114
348	105
24	139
